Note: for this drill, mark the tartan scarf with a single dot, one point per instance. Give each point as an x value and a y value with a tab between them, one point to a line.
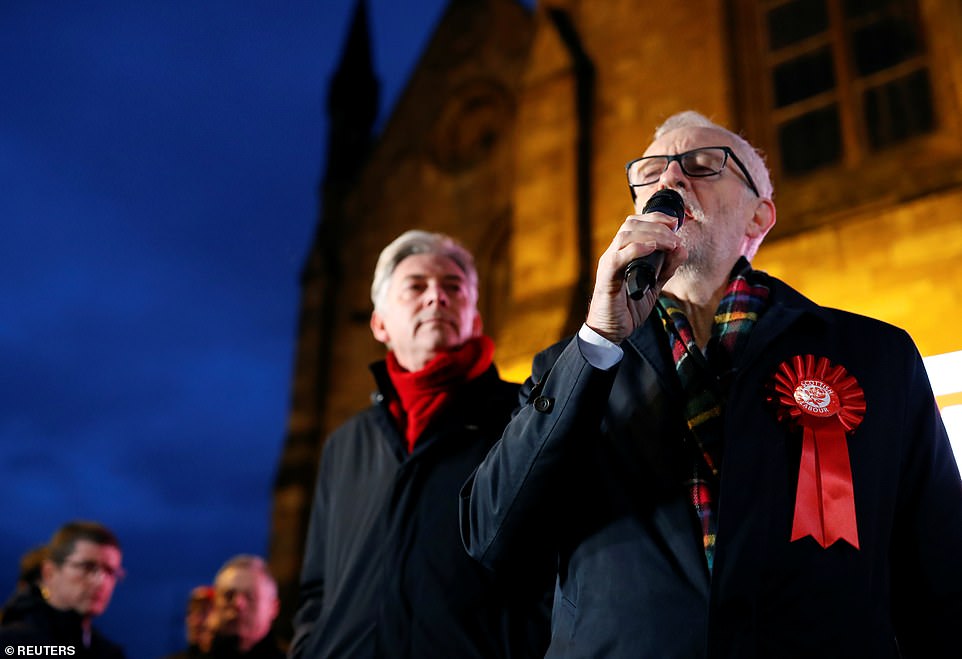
422	394
706	377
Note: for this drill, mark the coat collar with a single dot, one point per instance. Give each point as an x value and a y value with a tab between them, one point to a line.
464	407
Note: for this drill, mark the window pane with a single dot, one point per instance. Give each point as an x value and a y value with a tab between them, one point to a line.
803	77
810	141
884	44
795	21
899	110
856	8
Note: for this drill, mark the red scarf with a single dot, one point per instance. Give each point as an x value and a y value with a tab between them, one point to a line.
422	394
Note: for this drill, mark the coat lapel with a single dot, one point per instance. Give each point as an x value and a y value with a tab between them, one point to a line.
650	375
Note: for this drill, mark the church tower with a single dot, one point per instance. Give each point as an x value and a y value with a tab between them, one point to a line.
352	106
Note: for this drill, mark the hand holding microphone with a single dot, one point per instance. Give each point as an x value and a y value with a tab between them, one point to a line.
641	274
611	314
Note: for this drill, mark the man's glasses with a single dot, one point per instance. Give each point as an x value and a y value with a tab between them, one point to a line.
697	163
93	568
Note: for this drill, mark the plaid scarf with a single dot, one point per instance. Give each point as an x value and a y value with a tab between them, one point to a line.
706	377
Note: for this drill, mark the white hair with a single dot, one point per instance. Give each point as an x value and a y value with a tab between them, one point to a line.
753	159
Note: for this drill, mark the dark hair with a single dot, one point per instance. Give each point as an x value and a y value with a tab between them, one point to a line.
62	543
201	597
30	564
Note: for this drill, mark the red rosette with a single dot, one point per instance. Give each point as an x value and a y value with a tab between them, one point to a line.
827	403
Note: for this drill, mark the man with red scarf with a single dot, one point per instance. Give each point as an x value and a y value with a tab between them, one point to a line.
385	574
719	467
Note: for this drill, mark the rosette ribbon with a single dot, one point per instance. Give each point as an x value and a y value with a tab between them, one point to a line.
827	403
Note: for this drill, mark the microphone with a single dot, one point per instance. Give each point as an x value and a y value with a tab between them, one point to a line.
641	274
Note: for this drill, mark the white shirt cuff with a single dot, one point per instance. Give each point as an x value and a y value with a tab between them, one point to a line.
597	350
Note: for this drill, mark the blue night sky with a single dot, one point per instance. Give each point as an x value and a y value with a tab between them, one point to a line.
160	161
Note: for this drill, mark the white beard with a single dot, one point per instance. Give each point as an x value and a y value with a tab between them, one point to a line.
700	245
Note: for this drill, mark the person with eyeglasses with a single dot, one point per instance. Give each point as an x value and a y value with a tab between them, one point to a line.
720	467
81	567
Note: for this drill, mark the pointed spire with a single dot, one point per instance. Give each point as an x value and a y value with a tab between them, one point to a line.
352	102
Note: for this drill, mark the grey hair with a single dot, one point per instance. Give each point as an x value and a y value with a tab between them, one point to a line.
752	157
416	241
251	562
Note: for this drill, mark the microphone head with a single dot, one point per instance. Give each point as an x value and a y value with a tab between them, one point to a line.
669	202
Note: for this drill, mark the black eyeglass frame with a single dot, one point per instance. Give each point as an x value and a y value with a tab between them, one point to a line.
678	157
92	568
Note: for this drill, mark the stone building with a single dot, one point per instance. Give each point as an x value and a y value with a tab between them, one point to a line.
513	132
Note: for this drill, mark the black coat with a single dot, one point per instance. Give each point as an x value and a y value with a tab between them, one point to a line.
226	647
29	621
190	652
385	573
592	470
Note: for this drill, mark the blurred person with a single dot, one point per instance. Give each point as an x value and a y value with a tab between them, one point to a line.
77	578
384	571
244	608
719	467
31	567
199	604
28	577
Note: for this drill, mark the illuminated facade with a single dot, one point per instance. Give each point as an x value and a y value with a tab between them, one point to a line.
513	132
